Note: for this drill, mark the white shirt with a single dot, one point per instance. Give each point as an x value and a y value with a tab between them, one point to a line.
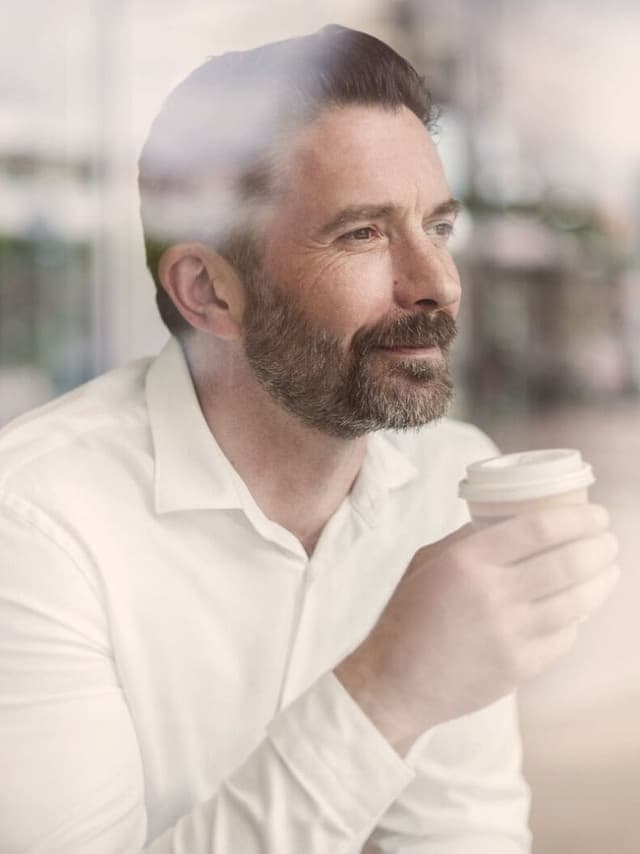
166	650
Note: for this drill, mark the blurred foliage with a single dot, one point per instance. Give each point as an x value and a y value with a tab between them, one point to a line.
45	307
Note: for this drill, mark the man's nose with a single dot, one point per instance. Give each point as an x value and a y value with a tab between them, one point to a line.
426	275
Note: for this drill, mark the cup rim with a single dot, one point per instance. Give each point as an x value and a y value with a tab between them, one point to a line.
524	475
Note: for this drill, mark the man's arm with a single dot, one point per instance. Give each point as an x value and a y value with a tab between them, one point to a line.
468	796
475	614
71	767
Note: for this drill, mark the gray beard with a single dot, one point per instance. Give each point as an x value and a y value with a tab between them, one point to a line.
346	394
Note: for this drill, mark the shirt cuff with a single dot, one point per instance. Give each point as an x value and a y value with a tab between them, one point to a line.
338	755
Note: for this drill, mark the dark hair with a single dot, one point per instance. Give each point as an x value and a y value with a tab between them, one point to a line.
207	150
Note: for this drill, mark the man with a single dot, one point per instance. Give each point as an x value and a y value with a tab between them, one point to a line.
234	616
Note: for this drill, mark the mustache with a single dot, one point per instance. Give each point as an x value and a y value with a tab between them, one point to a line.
436	329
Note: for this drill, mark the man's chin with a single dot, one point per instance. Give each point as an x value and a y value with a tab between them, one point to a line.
406	403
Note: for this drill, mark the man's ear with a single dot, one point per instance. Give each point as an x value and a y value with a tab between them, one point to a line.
204	288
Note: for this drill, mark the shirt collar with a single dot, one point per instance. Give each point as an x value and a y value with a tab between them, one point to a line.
191	470
384	469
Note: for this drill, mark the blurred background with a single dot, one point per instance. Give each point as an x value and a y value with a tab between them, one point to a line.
540	136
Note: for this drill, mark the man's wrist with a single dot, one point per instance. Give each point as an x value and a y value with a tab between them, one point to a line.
368	692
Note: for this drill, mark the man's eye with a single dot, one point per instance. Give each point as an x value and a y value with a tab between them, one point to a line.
365	233
441	229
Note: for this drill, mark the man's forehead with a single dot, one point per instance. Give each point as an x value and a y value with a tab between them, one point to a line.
340	132
361	155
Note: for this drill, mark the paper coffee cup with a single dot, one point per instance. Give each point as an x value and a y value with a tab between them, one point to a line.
528	480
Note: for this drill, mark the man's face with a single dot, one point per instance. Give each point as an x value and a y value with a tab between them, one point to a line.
350	317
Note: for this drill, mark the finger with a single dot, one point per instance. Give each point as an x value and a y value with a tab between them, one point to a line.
573	605
565	566
523	536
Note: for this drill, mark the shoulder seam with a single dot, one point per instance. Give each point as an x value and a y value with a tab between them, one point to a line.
63	444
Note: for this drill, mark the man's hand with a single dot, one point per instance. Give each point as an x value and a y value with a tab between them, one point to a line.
478	612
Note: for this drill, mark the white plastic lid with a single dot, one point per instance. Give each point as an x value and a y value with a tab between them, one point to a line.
526	474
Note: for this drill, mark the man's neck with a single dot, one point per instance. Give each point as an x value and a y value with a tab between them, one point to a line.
297	475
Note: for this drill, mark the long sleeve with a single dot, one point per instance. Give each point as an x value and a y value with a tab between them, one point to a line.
468	795
72	774
74	780
318	783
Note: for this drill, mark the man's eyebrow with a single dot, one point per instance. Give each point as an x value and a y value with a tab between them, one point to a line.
451	206
357	213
